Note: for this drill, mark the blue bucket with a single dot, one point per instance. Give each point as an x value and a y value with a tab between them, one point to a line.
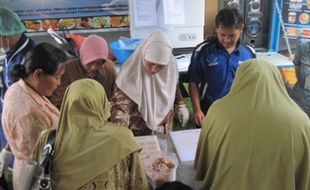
122	54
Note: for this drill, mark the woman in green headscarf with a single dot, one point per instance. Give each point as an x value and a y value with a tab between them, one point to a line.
255	137
90	152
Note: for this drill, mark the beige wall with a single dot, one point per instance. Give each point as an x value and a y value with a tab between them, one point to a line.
211	7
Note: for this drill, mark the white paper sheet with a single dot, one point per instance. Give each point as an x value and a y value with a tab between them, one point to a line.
144	13
185	143
174	12
183	62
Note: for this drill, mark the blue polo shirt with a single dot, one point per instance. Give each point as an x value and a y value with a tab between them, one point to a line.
214	69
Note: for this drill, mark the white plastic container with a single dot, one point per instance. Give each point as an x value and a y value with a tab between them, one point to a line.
161	167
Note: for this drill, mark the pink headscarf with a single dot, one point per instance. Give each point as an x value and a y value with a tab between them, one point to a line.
93	48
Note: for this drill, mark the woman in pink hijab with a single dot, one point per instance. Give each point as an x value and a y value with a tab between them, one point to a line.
93	63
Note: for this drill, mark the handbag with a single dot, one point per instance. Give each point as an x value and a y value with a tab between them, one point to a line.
42	181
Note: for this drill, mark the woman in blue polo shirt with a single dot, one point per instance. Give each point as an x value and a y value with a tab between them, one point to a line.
214	62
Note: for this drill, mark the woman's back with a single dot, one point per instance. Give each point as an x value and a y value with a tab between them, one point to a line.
90	150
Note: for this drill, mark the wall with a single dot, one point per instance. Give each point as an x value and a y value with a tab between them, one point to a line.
211	7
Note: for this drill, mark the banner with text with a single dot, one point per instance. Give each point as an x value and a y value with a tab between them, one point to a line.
70	14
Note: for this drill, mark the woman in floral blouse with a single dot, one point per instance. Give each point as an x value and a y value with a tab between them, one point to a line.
26	110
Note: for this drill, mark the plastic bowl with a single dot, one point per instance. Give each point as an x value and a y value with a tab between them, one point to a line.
161	167
122	54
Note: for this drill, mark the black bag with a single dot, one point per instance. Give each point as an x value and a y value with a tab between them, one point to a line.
70	47
43	177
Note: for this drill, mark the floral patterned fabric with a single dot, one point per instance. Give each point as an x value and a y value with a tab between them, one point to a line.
127	174
125	112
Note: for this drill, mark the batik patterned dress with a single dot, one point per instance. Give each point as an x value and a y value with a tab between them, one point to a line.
127	174
125	112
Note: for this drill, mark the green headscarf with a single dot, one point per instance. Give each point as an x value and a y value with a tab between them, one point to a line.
256	137
10	23
86	143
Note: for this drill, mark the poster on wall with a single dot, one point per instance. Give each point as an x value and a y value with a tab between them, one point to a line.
39	15
296	18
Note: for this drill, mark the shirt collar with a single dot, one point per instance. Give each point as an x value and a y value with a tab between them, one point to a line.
236	51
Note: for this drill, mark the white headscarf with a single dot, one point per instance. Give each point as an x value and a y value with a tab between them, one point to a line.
154	94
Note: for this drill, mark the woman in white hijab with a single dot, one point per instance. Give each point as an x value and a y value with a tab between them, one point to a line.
146	89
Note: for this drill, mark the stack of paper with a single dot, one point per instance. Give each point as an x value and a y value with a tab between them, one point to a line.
183	62
185	143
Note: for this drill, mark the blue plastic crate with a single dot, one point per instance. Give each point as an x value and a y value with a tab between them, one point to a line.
122	54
